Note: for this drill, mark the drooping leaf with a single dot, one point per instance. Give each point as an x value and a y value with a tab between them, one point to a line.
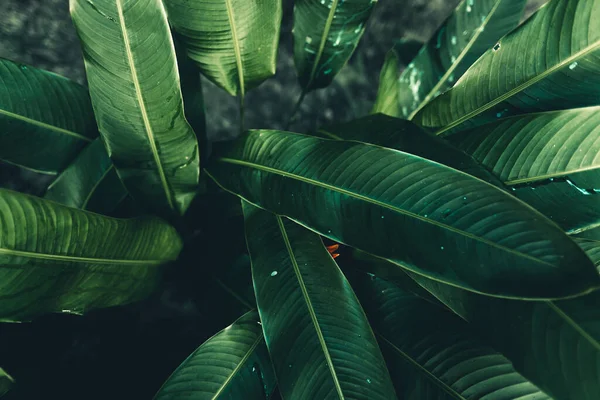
233	364
453	227
473	28
45	119
326	32
134	84
6	382
59	259
234	42
89	183
432	354
548	63
318	336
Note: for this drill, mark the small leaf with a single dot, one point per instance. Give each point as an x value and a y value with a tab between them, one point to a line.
59	259
45	119
313	323
6	381
233	364
326	33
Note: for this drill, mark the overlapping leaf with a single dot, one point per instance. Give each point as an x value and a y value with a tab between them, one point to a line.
59	259
431	353
45	119
318	336
233	364
453	227
326	33
473	28
6	382
134	84
549	63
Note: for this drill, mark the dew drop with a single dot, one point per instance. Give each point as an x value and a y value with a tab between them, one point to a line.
273	273
441	247
369	380
573	66
453	40
497	47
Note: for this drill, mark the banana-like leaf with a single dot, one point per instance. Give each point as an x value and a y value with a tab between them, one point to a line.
134	84
548	63
432	353
45	119
473	28
422	215
554	344
59	259
318	336
6	382
89	183
234	42
550	160
233	364
406	136
326	33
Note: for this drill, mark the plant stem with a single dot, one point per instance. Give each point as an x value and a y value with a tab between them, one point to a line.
295	111
242	129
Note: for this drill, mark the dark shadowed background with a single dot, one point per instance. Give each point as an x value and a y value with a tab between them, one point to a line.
127	352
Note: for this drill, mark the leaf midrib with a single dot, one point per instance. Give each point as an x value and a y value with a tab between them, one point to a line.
380	204
236	47
44	125
324	36
76	259
238	367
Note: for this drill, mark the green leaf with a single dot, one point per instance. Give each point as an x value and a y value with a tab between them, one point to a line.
550	160
234	42
326	33
59	259
134	84
89	183
473	28
6	382
318	336
451	226
548	63
45	119
233	364
431	353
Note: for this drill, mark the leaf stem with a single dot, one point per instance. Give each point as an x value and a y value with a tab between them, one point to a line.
295	111
242	113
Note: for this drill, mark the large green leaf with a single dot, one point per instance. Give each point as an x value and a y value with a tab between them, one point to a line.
318	336
59	259
134	84
234	42
233	364
473	28
548	63
551	160
6	382
326	32
90	182
45	119
555	344
431	353
451	226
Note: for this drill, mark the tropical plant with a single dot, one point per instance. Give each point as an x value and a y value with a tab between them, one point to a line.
466	208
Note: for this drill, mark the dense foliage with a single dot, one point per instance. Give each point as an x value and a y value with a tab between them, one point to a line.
466	205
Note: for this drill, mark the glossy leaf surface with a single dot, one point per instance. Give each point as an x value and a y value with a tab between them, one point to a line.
233	364
326	33
451	226
59	259
318	336
45	119
6	382
134	83
473	28
548	63
234	42
433	354
89	183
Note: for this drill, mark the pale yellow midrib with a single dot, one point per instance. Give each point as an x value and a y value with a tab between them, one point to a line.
75	259
140	100
236	48
91	193
44	125
324	36
238	367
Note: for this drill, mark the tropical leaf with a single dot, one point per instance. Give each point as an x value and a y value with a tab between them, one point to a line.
473	28
234	42
454	228
233	364
550	160
318	336
45	119
438	357
326	33
89	183
6	382
59	259
132	74
548	63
